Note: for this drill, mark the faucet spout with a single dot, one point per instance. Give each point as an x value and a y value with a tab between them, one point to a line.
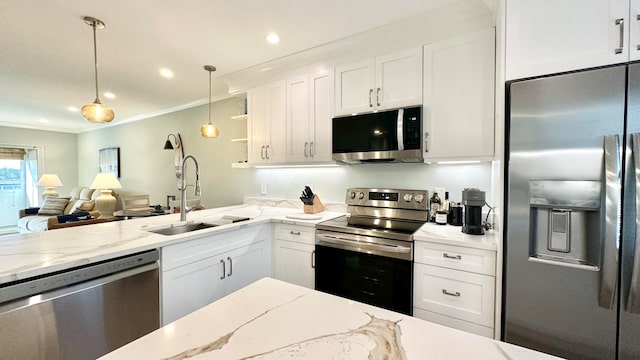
183	186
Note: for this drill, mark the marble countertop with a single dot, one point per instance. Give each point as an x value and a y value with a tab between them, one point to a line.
453	235
271	319
24	256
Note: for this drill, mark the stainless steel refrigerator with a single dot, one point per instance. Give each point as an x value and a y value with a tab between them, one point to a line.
572	260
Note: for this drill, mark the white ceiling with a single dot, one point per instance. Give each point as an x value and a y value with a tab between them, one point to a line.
46	50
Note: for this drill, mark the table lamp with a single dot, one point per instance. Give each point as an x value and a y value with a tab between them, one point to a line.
49	181
105	203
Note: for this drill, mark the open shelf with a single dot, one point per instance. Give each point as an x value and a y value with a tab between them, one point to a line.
240	165
239	117
244	140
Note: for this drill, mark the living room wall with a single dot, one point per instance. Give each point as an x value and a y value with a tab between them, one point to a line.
59	152
148	169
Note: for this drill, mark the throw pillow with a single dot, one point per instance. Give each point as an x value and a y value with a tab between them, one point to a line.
69	208
53	205
81	205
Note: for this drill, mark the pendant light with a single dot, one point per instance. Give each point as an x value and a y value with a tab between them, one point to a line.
209	130
96	111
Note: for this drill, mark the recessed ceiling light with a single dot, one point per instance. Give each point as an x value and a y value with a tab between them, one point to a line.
44	121
167	73
73	109
109	95
273	38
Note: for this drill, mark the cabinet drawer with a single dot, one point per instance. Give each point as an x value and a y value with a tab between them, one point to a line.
296	233
456	257
453	322
190	251
459	294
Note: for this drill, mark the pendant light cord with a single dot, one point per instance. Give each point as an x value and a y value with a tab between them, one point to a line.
95	58
209	97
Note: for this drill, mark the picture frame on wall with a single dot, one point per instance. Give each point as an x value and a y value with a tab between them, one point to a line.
109	161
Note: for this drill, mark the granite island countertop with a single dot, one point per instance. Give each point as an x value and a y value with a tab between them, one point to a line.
23	256
271	319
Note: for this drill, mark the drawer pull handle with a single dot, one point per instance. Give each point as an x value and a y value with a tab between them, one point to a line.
456	294
294	232
457	257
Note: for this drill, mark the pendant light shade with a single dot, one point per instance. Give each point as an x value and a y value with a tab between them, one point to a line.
209	130
96	111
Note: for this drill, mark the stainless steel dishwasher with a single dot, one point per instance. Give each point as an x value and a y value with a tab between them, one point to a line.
80	313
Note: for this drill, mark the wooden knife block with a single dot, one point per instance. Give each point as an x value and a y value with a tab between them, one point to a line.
315	208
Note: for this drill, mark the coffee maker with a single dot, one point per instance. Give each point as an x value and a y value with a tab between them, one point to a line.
473	200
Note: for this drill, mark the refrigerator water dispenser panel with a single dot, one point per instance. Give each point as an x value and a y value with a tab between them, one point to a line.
565	222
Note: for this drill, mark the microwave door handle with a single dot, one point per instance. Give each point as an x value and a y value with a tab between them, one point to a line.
633	299
609	274
400	128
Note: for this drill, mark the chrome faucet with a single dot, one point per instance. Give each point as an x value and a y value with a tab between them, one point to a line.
183	187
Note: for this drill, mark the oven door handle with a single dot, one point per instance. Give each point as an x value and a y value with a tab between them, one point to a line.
334	240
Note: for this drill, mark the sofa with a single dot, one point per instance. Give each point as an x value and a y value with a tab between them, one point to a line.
76	209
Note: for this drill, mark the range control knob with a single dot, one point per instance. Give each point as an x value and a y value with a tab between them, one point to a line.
408	197
419	198
361	195
353	195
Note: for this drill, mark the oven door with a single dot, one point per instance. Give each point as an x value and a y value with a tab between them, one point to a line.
370	270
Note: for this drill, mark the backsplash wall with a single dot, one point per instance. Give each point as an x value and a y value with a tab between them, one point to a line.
330	183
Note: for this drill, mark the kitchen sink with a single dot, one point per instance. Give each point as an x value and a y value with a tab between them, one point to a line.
181	229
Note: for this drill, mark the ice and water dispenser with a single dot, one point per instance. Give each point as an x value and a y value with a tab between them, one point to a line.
565	218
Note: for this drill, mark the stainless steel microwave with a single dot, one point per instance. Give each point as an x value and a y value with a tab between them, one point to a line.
383	136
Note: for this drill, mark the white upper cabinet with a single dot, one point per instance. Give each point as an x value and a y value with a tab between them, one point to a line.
266	123
309	105
385	82
458	105
550	36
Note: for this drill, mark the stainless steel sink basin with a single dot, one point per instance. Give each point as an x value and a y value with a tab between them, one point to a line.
181	229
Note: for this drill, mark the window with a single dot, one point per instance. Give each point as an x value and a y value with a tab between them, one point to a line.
18	184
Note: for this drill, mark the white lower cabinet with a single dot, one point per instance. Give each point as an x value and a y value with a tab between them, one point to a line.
455	286
294	251
200	271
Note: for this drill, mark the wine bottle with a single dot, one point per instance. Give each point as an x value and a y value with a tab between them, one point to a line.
434	205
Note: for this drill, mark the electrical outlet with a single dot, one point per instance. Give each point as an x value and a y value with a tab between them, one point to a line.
263	188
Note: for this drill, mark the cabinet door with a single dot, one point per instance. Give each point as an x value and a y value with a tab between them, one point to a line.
550	36
256	124
246	265
188	288
398	79
459	294
634	30
276	122
295	263
321	112
298	128
354	88
458	108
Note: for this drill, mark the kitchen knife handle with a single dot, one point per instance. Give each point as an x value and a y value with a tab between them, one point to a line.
609	274
620	23
633	299
305	149
370	95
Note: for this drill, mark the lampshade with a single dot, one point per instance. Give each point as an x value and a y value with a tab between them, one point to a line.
49	180
105	181
96	112
209	130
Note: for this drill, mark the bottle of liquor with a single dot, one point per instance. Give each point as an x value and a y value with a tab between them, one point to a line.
434	205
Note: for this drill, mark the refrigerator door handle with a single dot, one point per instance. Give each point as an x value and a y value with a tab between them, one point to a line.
633	299
612	173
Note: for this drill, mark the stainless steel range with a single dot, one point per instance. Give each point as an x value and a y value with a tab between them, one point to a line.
368	255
